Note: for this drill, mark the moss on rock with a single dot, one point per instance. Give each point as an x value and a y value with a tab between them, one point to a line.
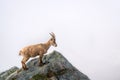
39	77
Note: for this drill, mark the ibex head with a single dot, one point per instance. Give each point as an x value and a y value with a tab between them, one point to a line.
53	40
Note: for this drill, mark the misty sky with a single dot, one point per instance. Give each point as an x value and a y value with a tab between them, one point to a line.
87	33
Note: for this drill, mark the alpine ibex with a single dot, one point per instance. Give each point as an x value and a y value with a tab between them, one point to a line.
36	50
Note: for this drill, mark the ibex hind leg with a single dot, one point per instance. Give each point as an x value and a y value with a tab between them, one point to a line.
40	60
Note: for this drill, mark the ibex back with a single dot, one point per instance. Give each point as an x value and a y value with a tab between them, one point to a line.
36	50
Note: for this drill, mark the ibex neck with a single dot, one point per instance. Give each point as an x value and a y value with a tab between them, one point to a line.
47	45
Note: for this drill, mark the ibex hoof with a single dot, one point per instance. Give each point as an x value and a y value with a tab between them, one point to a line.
25	68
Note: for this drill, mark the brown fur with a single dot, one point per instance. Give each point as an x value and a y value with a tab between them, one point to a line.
36	50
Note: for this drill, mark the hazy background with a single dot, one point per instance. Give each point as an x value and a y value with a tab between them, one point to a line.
87	32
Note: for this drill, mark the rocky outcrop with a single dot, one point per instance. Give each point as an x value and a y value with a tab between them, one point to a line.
56	67
7	73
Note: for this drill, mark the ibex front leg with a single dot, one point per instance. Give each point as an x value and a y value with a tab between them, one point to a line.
24	60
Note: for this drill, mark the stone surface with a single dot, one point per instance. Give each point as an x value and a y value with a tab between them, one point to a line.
56	67
6	73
